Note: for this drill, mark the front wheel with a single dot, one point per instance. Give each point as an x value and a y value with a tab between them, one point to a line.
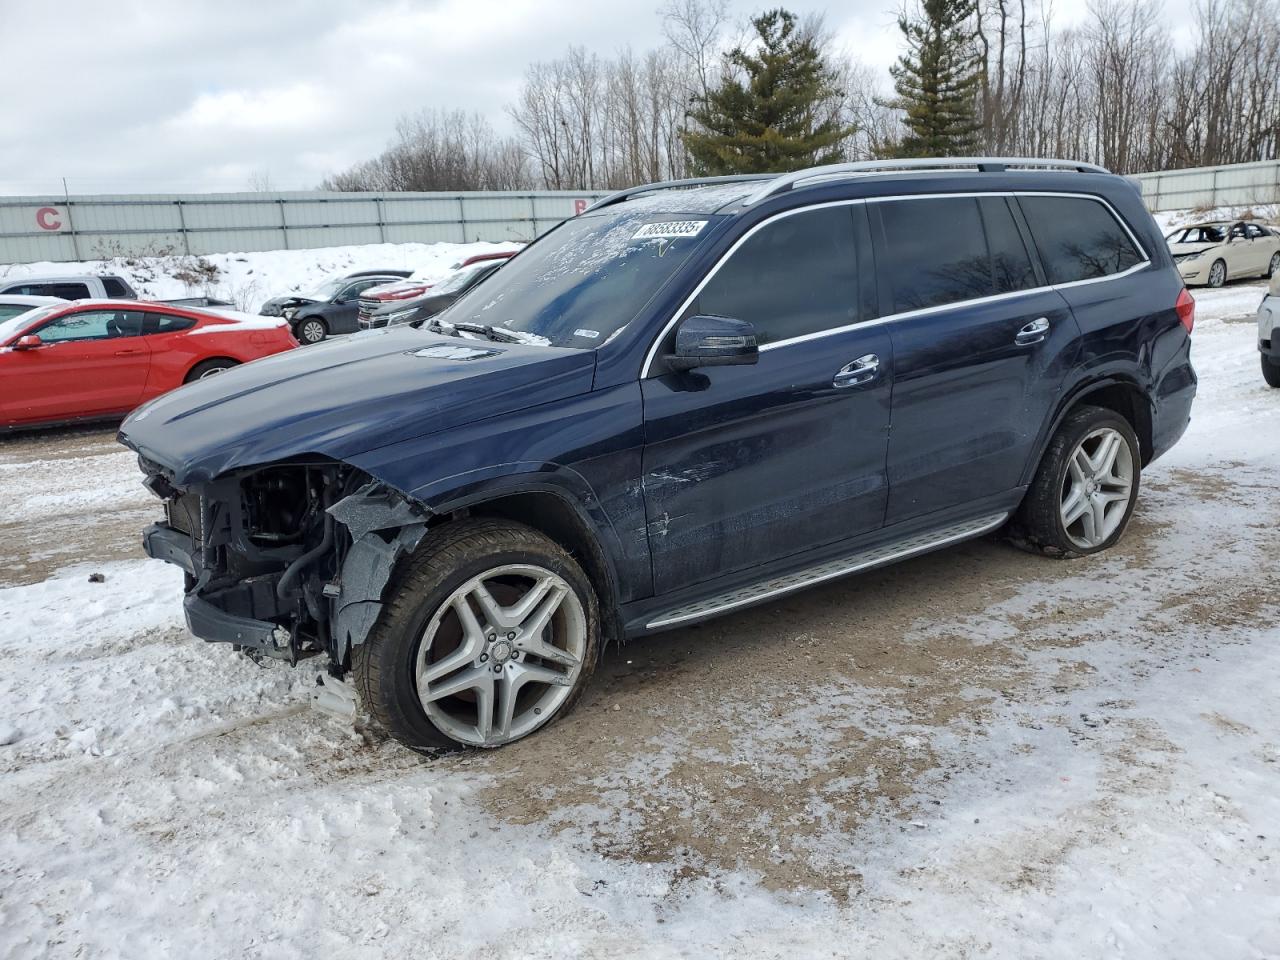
1270	371
491	632
311	330
1274	267
1218	273
1084	491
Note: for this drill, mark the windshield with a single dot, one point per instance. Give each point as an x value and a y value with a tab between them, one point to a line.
13	317
326	291
1208	233
584	282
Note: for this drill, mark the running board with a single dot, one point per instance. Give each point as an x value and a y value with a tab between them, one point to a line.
865	560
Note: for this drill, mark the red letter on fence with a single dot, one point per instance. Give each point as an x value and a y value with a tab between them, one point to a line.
47	218
579	206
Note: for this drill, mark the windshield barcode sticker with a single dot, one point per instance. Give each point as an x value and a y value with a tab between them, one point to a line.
669	230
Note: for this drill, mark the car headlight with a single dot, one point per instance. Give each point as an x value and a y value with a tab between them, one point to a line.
401	316
1193	256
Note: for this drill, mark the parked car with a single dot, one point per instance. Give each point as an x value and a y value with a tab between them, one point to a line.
1213	253
11	305
75	287
1269	332
674	406
331	307
436	299
375	298
98	359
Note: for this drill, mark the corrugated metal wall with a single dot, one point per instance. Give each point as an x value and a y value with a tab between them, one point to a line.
92	227
1233	185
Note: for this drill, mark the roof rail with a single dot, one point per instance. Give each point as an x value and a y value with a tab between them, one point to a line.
674	184
787	181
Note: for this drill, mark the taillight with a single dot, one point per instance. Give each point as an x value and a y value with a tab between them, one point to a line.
1186	310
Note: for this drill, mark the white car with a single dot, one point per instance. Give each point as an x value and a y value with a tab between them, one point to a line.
1269	333
13	305
1213	253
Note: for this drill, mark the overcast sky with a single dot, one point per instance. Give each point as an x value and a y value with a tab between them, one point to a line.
184	95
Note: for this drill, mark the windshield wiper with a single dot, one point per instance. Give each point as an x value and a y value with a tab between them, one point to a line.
492	333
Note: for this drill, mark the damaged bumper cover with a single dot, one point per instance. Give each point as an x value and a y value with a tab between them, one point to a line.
319	592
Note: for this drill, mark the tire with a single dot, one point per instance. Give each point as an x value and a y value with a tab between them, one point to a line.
1041	524
310	330
1270	371
207	368
477	677
1274	266
1217	273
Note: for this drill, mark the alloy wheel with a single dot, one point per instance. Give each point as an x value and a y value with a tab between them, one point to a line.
501	655
312	331
213	372
1274	267
1217	274
1097	488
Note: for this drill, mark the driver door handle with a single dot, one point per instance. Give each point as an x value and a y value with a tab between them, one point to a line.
860	371
1033	332
129	352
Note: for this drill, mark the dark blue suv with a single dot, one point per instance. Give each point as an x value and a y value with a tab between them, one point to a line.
694	397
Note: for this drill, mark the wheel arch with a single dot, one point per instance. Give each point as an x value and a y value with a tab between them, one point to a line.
1115	392
234	361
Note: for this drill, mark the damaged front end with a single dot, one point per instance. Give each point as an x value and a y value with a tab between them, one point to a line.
287	560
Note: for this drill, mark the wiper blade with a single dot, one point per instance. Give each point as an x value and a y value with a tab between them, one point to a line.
491	332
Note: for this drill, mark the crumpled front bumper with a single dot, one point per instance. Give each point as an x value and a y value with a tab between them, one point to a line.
211	621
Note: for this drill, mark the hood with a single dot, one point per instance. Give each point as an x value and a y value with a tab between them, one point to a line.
1182	249
347	396
274	306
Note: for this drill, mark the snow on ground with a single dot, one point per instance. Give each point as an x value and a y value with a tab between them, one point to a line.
248	279
973	754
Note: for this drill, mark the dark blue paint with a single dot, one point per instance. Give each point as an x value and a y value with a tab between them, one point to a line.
697	481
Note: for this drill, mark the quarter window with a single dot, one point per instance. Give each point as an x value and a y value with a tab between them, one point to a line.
1078	238
166	323
795	275
937	252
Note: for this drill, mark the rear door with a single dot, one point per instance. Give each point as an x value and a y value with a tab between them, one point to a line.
90	363
748	464
981	345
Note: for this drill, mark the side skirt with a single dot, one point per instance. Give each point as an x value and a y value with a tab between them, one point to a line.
782	584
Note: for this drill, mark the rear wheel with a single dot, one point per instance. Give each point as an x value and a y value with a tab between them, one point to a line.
311	330
1274	267
208	368
491	632
1084	491
1218	273
1270	371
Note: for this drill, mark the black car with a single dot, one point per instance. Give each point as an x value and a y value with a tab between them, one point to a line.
331	307
425	307
674	406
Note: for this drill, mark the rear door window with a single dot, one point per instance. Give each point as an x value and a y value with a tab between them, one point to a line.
115	287
1078	238
67	291
1011	268
936	252
794	276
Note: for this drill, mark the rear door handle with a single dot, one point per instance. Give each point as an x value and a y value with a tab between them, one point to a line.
860	371
1033	332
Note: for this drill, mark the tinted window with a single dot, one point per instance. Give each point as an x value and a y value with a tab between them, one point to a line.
166	323
115	287
937	252
1255	232
92	325
1010	263
1079	239
794	276
67	291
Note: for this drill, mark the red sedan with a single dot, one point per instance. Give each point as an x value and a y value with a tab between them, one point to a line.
98	359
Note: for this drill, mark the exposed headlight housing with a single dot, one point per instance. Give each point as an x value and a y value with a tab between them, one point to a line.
400	316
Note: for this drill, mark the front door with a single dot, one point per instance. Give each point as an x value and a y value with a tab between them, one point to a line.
90	363
748	464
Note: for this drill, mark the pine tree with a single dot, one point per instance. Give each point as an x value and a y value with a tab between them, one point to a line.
773	113
937	80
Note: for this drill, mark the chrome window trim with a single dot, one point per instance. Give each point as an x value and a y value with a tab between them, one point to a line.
646	370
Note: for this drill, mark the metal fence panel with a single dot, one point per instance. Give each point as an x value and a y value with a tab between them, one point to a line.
91	227
1231	185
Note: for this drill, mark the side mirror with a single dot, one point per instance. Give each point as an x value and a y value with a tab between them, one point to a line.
29	342
703	341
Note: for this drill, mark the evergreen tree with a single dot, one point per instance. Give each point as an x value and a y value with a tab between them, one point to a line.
773	111
937	80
